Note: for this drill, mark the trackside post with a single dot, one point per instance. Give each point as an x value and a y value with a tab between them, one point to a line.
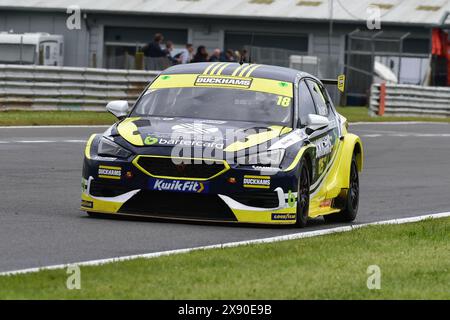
382	99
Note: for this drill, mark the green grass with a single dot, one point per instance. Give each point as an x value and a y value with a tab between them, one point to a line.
361	114
38	118
414	261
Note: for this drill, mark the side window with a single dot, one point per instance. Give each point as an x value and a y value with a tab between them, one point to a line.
306	103
47	52
320	98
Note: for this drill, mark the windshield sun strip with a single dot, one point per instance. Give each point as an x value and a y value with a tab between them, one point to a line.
277	87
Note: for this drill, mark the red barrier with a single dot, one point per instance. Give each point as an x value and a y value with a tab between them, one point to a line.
382	99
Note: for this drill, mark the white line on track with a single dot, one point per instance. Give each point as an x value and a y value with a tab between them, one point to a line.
293	236
371	135
106	126
368	135
408	135
51	127
397	123
34	141
42	141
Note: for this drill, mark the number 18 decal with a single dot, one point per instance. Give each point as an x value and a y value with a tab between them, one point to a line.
284	101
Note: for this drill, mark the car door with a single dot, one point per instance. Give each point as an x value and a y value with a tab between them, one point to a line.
327	139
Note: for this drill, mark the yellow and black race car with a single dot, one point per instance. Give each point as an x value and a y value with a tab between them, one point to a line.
226	142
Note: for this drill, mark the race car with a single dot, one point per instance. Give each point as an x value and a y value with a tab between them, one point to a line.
226	142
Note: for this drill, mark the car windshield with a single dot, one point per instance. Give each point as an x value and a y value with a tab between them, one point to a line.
216	104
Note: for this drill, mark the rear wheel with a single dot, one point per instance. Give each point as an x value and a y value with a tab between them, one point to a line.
350	210
303	195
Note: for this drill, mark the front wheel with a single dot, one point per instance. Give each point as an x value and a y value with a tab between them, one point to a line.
303	195
348	214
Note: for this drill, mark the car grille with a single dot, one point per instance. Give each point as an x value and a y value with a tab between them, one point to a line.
257	199
166	168
178	205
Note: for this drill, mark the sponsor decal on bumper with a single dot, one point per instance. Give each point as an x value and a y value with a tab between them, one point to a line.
178	185
283	216
261	182
108	172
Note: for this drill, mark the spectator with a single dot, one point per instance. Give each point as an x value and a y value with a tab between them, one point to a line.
201	55
185	56
216	56
244	56
229	56
237	56
154	49
169	49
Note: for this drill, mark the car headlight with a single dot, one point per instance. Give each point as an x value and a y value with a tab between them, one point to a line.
109	148
271	158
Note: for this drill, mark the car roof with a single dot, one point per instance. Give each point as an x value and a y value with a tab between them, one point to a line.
257	70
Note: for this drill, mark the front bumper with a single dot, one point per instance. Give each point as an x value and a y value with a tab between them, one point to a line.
226	193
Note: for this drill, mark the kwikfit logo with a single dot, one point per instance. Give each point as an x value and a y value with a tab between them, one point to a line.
177	185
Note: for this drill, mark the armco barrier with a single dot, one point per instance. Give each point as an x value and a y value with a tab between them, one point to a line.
410	100
67	88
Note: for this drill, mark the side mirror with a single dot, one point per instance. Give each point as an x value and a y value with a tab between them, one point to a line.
316	122
118	108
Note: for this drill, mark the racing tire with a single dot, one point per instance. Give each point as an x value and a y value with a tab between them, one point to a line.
348	214
303	195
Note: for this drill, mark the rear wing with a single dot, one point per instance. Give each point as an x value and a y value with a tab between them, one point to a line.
339	82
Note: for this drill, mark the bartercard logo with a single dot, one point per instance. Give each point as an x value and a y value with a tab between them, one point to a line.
178	185
189	143
222	81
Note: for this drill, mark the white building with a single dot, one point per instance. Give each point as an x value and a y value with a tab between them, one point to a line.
110	32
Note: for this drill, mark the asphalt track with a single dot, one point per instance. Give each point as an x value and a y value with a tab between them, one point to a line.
407	173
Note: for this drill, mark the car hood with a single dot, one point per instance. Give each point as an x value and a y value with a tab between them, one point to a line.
227	135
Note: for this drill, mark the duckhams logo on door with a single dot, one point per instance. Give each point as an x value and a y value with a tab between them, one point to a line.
178	185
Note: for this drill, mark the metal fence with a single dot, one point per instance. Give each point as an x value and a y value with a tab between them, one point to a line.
409	100
66	88
272	56
363	48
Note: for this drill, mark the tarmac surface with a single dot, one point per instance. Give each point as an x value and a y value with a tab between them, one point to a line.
407	173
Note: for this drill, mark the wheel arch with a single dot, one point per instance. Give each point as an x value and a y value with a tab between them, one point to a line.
309	163
352	146
358	152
